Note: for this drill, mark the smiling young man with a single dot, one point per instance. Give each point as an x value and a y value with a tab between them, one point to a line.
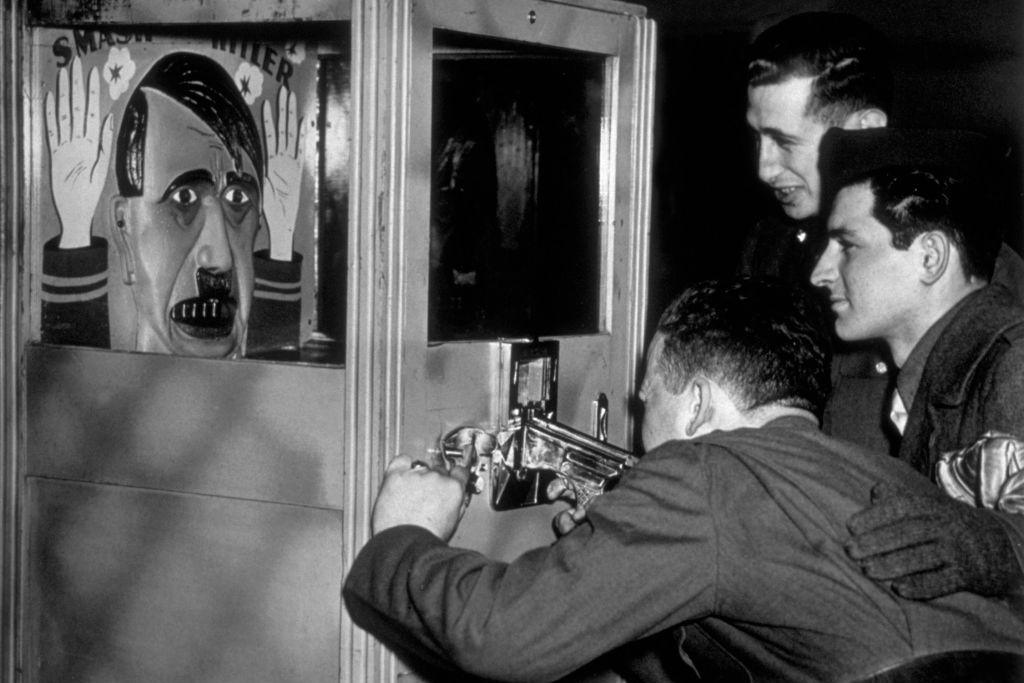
788	117
807	74
911	250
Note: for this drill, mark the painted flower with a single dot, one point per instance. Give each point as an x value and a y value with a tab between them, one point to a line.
118	71
294	51
249	80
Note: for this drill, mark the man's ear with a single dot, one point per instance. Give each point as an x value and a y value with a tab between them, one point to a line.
699	411
871	117
935	254
118	212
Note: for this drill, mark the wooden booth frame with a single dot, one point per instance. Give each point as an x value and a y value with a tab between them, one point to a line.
380	350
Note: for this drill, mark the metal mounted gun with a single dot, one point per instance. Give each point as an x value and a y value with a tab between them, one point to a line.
531	457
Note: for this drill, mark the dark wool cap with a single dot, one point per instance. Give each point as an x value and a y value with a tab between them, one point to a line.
848	156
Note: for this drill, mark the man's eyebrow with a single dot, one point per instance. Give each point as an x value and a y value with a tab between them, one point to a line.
234	177
194	176
779	136
838	232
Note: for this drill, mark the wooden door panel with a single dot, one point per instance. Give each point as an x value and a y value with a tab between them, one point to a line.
247	429
129	584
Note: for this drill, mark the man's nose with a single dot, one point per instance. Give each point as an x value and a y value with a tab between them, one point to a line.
825	269
767	160
214	249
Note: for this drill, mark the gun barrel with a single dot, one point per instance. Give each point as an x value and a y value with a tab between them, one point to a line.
581	442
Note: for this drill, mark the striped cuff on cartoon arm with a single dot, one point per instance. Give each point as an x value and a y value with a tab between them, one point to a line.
74	294
276	305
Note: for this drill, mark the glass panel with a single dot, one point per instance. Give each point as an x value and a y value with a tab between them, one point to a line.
335	148
208	217
515	243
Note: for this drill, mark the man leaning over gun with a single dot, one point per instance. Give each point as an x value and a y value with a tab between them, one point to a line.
733	524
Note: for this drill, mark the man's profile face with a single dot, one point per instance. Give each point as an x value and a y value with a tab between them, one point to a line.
787	143
191	236
872	285
661	407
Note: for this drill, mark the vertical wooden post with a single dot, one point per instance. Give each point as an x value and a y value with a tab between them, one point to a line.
380	81
12	197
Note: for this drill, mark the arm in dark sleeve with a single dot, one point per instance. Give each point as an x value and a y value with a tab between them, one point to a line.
385	608
74	294
623	576
1014	526
1003	411
276	303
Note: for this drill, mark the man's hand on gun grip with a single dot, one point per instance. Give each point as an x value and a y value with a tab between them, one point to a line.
567	520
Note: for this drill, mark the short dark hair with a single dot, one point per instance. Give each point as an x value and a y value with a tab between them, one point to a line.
204	88
911	201
922	180
847	58
766	341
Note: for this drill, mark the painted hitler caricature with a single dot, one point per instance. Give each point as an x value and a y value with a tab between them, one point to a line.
188	162
190	175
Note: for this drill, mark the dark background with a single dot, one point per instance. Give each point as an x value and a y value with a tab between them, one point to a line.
957	65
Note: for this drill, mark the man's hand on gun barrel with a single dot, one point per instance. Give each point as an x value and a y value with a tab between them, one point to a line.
422	493
432	491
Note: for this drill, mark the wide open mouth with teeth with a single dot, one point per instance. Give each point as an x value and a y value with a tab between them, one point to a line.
210	315
209	318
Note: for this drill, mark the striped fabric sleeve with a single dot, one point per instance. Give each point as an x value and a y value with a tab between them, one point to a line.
276	305
73	294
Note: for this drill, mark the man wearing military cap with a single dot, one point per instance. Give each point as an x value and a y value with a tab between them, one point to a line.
910	255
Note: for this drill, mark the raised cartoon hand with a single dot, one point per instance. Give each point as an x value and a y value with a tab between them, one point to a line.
78	155
286	142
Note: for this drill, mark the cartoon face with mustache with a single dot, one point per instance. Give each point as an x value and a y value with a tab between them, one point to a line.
185	225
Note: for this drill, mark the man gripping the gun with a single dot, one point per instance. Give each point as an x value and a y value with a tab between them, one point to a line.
733	523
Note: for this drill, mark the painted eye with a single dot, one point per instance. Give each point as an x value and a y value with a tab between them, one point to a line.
185	197
236	197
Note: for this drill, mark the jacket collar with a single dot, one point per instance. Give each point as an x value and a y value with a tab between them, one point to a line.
949	371
985	315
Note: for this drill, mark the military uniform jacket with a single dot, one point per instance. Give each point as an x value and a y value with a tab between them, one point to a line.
973	382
